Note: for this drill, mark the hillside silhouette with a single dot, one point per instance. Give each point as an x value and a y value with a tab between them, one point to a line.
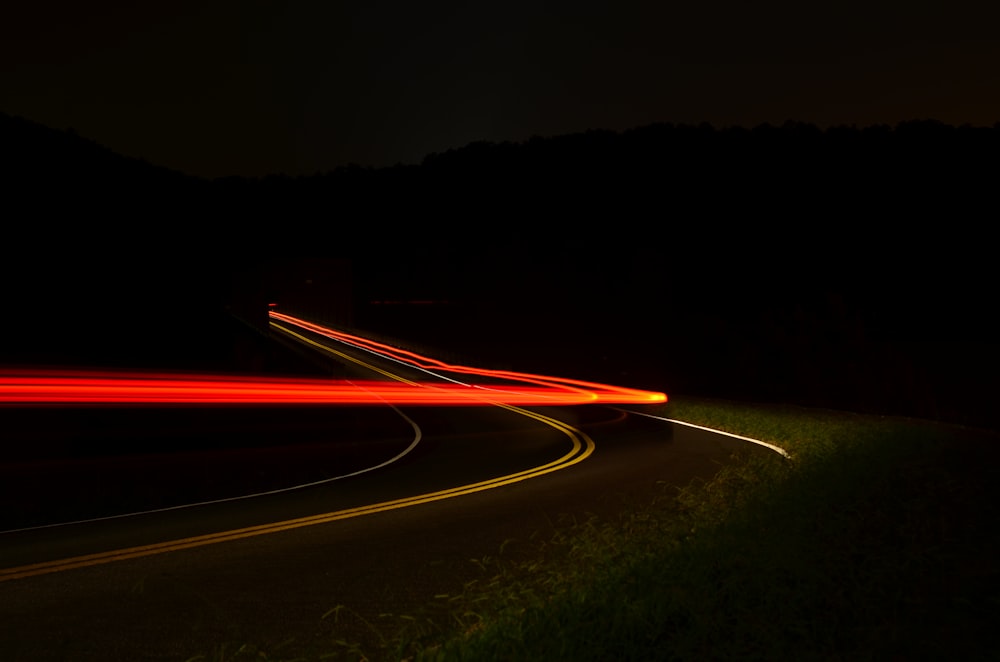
838	266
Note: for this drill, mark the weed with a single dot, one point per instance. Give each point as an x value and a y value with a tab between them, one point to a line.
878	541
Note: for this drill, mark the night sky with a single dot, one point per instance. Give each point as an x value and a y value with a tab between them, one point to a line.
255	87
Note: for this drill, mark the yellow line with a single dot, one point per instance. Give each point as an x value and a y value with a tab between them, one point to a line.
583	447
325	348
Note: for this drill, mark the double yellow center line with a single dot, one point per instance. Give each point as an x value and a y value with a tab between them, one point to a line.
582	447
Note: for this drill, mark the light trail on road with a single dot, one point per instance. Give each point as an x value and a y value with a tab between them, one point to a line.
81	388
605	393
55	389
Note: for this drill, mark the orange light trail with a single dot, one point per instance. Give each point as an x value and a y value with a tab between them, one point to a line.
41	387
588	390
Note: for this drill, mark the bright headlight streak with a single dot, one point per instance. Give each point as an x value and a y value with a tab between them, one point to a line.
325	348
40	387
352	359
416	361
59	388
82	389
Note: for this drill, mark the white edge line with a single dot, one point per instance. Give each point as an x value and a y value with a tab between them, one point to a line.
373	352
416	440
777	449
401	362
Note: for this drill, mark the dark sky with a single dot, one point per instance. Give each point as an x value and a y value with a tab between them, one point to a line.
254	87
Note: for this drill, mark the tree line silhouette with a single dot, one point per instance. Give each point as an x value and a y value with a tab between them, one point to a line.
787	262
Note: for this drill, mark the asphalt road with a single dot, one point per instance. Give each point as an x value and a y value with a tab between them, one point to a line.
271	587
265	569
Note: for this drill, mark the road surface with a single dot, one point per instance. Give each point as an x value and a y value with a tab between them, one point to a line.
457	484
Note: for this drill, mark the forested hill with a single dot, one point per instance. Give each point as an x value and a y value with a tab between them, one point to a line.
58	170
662	174
913	201
662	177
838	204
787	262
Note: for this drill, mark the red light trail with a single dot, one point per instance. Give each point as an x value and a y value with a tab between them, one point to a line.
65	388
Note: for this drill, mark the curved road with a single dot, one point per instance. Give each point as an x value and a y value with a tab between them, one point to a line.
265	589
264	586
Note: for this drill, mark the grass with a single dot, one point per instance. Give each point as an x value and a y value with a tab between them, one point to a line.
878	540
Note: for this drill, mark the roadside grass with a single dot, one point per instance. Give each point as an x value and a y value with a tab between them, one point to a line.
877	540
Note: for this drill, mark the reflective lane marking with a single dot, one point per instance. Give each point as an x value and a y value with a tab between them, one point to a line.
777	449
416	440
325	348
413	444
583	447
385	357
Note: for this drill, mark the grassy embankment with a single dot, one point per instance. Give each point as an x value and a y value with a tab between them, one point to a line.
878	540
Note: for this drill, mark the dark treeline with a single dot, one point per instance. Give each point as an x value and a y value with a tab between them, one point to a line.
662	175
849	266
